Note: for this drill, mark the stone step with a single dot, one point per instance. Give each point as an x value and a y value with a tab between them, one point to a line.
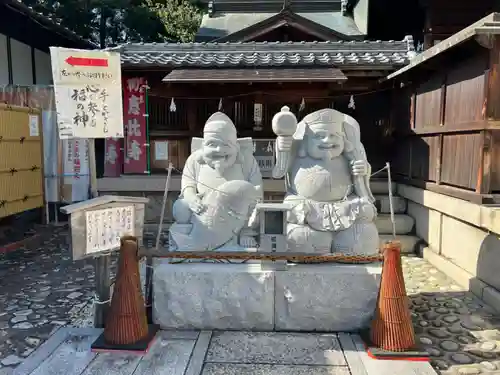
404	223
383	205
381	186
408	242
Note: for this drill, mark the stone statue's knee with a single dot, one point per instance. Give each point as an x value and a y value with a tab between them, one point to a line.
181	212
360	238
305	239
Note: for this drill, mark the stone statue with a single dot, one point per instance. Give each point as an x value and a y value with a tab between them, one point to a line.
221	184
328	183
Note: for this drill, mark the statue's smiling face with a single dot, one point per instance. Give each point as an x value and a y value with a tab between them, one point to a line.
325	141
218	152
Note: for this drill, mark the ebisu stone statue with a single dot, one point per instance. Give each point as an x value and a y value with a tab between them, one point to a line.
220	186
327	179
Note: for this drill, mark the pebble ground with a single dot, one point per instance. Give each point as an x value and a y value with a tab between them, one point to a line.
42	289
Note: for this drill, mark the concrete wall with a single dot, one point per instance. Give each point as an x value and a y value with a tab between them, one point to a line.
4	63
21	68
462	238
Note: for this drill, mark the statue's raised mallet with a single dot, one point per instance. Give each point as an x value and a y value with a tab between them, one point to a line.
284	125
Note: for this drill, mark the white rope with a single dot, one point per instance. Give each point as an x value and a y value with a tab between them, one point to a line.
391	205
96	301
223	192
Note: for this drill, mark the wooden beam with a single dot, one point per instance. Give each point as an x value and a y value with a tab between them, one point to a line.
467	195
461	127
492	104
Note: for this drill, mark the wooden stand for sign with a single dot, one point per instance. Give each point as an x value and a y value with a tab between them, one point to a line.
102	271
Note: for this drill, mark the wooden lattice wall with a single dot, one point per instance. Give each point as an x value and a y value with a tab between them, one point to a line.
21	160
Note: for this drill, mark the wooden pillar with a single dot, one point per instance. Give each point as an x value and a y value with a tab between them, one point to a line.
491	108
484	175
491	112
413	106
442	121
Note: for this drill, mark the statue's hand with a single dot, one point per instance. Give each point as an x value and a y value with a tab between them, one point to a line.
360	168
196	205
284	143
368	211
248	241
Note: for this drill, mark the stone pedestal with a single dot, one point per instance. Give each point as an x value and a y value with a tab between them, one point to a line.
326	297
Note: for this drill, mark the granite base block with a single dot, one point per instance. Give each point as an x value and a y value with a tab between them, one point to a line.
327	297
213	296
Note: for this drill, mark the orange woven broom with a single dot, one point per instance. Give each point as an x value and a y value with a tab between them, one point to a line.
392	328
126	324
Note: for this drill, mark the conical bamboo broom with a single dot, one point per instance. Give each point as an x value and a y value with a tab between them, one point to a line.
127	322
392	327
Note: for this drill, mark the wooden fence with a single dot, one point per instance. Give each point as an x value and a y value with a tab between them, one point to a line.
446	141
21	160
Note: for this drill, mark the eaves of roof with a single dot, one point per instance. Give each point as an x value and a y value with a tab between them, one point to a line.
49	23
482	30
352	54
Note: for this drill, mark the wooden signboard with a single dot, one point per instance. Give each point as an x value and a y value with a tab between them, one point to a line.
264	153
98	224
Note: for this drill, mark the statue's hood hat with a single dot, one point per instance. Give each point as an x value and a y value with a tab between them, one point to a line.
326	116
220	123
323	116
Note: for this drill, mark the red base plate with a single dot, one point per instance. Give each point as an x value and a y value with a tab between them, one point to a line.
140	347
415	354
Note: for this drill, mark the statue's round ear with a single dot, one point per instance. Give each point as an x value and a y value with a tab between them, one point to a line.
240	158
302	152
199	156
348	146
300	135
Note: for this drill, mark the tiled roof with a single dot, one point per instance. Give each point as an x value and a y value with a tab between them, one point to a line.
267	54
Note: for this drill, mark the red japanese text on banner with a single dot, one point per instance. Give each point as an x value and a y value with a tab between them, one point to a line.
134	115
113	159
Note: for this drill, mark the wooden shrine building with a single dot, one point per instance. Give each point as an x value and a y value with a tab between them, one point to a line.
250	59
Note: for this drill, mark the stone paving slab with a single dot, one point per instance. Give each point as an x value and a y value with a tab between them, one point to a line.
276	348
68	353
245	369
206	353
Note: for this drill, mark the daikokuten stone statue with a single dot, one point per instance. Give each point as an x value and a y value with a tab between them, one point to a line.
327	179
221	184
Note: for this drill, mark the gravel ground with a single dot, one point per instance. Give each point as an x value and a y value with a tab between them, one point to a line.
42	289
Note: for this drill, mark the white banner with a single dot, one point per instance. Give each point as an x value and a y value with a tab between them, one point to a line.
88	93
76	171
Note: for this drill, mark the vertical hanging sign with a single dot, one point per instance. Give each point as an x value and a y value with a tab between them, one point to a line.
134	114
113	158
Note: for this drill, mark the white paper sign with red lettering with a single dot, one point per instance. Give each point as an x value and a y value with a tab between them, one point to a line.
87	87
